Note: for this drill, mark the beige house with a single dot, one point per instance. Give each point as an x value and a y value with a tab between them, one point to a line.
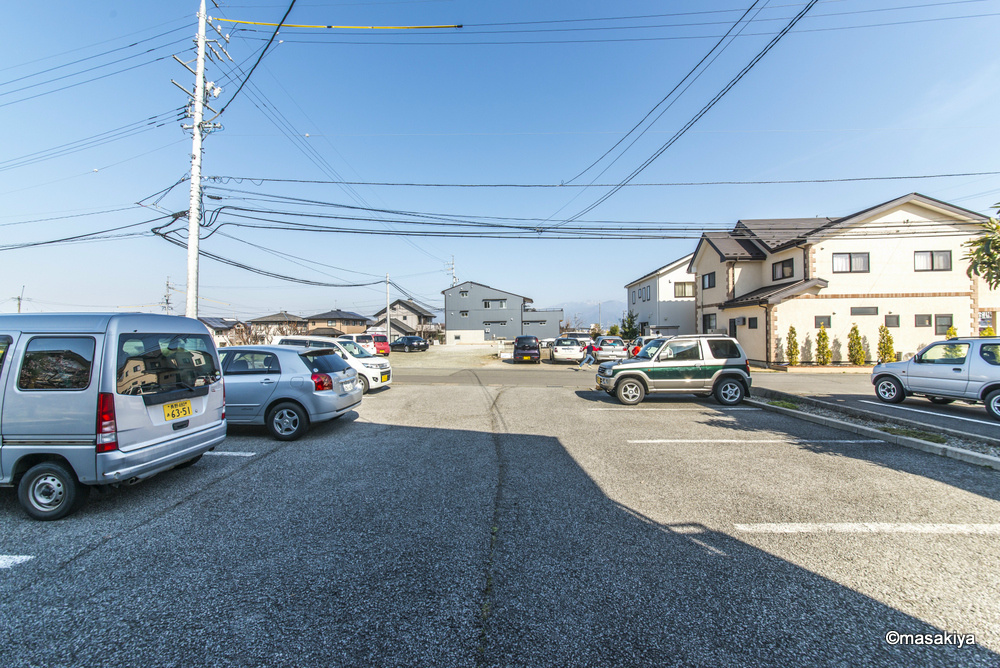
346	322
898	264
663	300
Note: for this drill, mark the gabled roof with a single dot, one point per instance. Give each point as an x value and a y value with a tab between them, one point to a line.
774	233
727	247
775	294
278	317
527	300
664	269
412	306
332	332
338	315
396	325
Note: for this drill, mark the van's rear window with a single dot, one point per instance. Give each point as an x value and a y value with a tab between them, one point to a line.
159	363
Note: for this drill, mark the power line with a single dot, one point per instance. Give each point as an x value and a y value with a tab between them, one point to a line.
261	180
704	110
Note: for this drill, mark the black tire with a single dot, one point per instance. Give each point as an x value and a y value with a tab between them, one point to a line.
190	462
889	390
940	400
703	395
729	391
50	491
993	404
630	391
406	349
287	421
364	385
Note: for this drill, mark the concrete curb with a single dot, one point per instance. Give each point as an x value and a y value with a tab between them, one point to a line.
905	441
869	415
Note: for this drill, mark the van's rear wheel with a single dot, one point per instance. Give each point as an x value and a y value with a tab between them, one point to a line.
940	400
50	491
287	421
364	385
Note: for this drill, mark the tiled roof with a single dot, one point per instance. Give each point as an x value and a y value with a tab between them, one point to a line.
774	294
338	315
279	317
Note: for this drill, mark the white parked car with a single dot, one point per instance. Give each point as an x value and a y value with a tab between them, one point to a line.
366	341
373	372
565	349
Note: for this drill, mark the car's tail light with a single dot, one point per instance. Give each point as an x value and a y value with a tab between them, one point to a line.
107	426
322	382
223	398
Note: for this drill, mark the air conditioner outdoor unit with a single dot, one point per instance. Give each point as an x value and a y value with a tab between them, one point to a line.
741	320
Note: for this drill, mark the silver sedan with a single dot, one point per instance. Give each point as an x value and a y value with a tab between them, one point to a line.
287	388
610	348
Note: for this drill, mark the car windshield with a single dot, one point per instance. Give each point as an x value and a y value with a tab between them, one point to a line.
525	342
355	350
380	339
567	342
365	338
649	350
612	342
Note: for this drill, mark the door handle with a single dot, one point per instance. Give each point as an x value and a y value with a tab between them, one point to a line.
267	381
958	370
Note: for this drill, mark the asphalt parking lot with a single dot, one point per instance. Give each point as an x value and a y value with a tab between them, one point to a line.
460	522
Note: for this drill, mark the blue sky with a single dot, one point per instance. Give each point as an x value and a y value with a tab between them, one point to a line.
525	93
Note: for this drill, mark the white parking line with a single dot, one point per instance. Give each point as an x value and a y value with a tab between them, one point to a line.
804	441
718	408
8	560
222	453
918	410
869	527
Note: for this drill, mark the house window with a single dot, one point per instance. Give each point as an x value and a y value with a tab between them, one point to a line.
942	323
633	296
708	281
821	321
463	293
708	320
486	303
751	323
503	303
921	320
464	314
932	261
853	263
864	310
892	321
783	269
684	289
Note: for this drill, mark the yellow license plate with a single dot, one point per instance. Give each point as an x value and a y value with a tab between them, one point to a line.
385	378
177	410
526	358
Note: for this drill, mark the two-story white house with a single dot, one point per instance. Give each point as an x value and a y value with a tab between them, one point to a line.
663	300
897	264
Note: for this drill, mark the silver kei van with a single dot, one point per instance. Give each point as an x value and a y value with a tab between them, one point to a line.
89	399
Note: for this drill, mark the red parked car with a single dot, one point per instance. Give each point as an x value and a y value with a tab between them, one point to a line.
381	344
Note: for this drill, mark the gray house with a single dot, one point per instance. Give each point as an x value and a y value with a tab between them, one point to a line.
474	312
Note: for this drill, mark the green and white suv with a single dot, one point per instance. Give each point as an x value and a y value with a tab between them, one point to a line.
702	364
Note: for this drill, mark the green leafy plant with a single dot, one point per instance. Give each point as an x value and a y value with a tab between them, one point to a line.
630	329
886	348
952	333
984	253
792	347
988	332
613	330
855	350
823	353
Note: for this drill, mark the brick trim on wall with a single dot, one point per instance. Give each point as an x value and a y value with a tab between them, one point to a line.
888	295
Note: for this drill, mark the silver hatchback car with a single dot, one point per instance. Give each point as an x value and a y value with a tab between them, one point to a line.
287	388
610	348
964	369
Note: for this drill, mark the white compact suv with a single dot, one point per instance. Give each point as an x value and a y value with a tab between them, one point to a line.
373	372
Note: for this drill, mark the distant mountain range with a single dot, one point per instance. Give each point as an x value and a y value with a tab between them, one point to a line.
590	313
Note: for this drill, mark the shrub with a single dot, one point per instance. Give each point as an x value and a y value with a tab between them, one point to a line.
613	330
886	348
855	350
823	353
988	332
952	333
792	347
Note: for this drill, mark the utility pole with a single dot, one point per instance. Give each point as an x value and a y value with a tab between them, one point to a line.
388	328
199	129
166	298
450	267
19	299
